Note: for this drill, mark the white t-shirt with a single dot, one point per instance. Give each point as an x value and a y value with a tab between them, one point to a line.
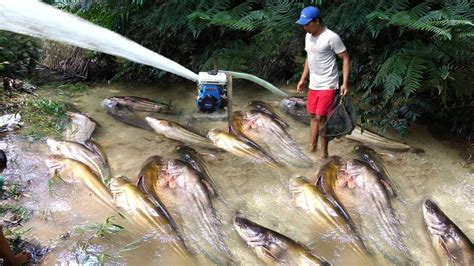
321	51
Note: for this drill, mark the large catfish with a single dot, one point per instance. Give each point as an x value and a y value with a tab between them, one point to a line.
80	128
325	214
193	158
89	153
268	109
142	104
375	161
370	138
241	147
274	248
451	244
73	171
179	187
373	206
295	106
124	114
143	211
175	131
264	130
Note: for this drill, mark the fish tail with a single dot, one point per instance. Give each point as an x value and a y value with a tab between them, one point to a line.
209	219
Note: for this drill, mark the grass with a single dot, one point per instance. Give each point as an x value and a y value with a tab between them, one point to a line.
43	117
86	252
23	213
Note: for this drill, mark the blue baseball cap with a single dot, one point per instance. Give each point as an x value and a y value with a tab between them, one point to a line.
307	14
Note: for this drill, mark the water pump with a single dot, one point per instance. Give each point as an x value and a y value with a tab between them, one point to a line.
212	91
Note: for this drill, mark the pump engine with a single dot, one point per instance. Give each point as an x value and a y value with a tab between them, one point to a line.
212	91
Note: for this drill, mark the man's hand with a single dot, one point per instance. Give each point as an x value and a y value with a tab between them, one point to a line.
300	86
344	89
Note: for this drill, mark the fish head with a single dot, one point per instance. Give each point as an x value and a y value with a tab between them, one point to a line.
249	231
297	183
354	167
183	150
57	165
59	147
435	218
214	134
109	103
117	184
159	125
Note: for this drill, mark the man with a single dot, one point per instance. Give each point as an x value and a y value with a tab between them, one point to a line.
321	45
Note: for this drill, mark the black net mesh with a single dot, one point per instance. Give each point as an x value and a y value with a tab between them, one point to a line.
341	119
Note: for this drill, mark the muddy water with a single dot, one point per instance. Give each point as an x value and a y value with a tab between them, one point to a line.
256	191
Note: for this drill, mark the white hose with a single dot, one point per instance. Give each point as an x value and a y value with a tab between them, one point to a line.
267	85
37	19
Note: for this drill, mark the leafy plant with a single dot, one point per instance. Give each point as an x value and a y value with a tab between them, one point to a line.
43	117
87	252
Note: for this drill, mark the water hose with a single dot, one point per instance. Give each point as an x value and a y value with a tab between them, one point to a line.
267	85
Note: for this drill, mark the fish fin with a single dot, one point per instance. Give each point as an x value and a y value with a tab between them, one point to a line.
208	156
387	157
269	254
388	187
210	221
445	248
159	206
210	189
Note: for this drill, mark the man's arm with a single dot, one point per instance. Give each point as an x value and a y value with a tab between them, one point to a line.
301	84
344	56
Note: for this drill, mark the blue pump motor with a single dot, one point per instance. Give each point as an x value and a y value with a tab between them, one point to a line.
212	91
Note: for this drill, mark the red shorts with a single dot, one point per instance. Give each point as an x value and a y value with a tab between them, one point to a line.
319	101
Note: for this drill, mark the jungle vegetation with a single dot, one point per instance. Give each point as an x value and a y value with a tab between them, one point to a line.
410	59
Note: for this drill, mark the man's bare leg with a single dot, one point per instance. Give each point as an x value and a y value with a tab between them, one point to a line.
313	133
324	140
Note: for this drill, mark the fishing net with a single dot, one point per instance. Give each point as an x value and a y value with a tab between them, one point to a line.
341	118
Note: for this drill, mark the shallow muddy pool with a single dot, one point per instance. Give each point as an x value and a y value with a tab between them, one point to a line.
255	191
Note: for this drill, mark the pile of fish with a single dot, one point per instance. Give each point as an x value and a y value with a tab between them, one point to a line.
174	197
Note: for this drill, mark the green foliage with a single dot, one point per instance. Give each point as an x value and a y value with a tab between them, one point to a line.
43	117
409	58
86	252
18	53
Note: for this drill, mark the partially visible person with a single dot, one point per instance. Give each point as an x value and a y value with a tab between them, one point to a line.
6	253
321	45
3	161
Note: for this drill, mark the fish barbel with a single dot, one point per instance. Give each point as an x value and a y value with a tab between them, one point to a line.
273	248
